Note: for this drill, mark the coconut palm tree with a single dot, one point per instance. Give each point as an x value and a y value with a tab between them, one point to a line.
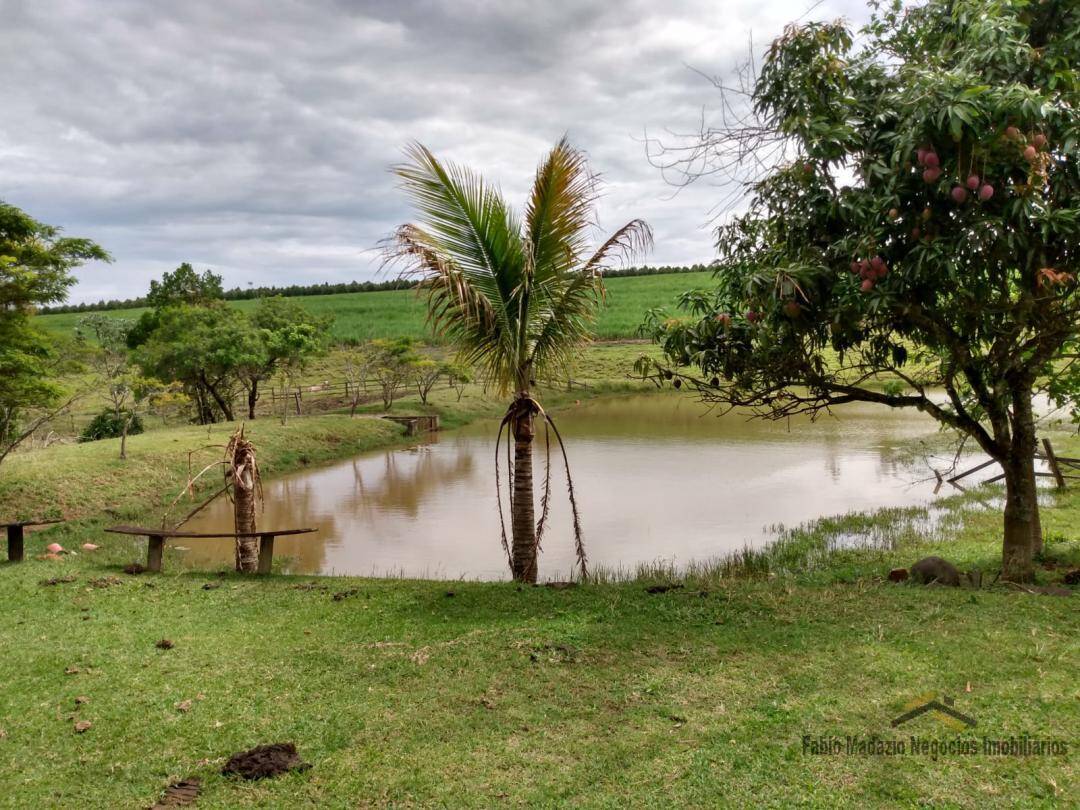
516	296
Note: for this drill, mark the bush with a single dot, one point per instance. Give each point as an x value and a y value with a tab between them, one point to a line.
107	425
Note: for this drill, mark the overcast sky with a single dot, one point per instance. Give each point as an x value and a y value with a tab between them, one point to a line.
254	137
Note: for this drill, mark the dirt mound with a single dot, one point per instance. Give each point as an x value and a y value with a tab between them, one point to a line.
265	761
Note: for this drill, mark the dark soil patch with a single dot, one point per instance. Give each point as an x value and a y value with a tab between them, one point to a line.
560	586
265	761
310	586
1072	577
209	586
346	594
180	793
671	586
165	644
134	568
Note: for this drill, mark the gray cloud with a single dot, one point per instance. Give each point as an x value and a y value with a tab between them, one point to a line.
255	138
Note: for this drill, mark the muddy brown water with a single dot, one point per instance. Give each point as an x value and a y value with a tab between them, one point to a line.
658	479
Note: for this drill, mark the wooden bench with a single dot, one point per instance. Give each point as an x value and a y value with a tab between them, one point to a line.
15	536
157	538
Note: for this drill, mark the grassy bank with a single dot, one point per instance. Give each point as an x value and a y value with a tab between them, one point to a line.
422	694
470	694
401	313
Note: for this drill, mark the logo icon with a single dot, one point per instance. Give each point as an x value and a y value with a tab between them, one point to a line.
942	710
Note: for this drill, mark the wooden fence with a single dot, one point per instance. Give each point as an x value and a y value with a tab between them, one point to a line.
1061	468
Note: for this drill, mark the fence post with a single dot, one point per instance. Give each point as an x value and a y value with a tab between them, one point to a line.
1051	459
296	396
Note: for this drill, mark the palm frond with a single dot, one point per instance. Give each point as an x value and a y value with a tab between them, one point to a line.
559	213
635	238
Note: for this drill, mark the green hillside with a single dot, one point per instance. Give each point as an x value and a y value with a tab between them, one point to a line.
394	313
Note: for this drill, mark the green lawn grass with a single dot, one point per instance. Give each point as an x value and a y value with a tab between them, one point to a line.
412	693
397	313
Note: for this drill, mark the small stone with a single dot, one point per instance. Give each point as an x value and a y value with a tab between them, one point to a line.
83	726
165	644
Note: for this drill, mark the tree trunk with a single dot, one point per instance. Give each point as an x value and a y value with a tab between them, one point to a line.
243	492
523	519
123	436
1021	521
253	397
222	403
1023	530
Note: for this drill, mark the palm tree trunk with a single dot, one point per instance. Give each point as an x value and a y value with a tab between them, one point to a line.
523	518
247	548
243	473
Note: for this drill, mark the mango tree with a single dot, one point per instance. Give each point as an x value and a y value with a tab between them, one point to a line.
914	213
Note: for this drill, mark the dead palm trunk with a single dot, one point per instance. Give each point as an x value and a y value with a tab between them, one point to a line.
522	508
242	475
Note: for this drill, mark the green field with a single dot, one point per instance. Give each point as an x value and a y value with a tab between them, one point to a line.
397	313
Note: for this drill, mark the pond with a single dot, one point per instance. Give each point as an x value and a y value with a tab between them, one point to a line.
658	479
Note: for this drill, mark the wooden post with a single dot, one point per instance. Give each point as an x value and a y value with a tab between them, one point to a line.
154	550
15	543
1051	459
296	396
266	553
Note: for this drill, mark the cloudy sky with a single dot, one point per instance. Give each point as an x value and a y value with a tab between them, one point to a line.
254	137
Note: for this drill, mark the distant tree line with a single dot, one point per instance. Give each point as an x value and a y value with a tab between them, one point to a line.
326	288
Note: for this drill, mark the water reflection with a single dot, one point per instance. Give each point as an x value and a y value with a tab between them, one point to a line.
658	478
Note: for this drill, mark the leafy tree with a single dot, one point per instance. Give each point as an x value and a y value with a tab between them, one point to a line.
182	287
923	226
458	376
392	364
516	297
35	269
425	374
290	335
205	349
125	388
359	361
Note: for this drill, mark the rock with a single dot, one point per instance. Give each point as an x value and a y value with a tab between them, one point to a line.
898	575
90	546
165	644
82	726
54	548
930	570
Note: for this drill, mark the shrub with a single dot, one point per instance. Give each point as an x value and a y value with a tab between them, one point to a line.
108	425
